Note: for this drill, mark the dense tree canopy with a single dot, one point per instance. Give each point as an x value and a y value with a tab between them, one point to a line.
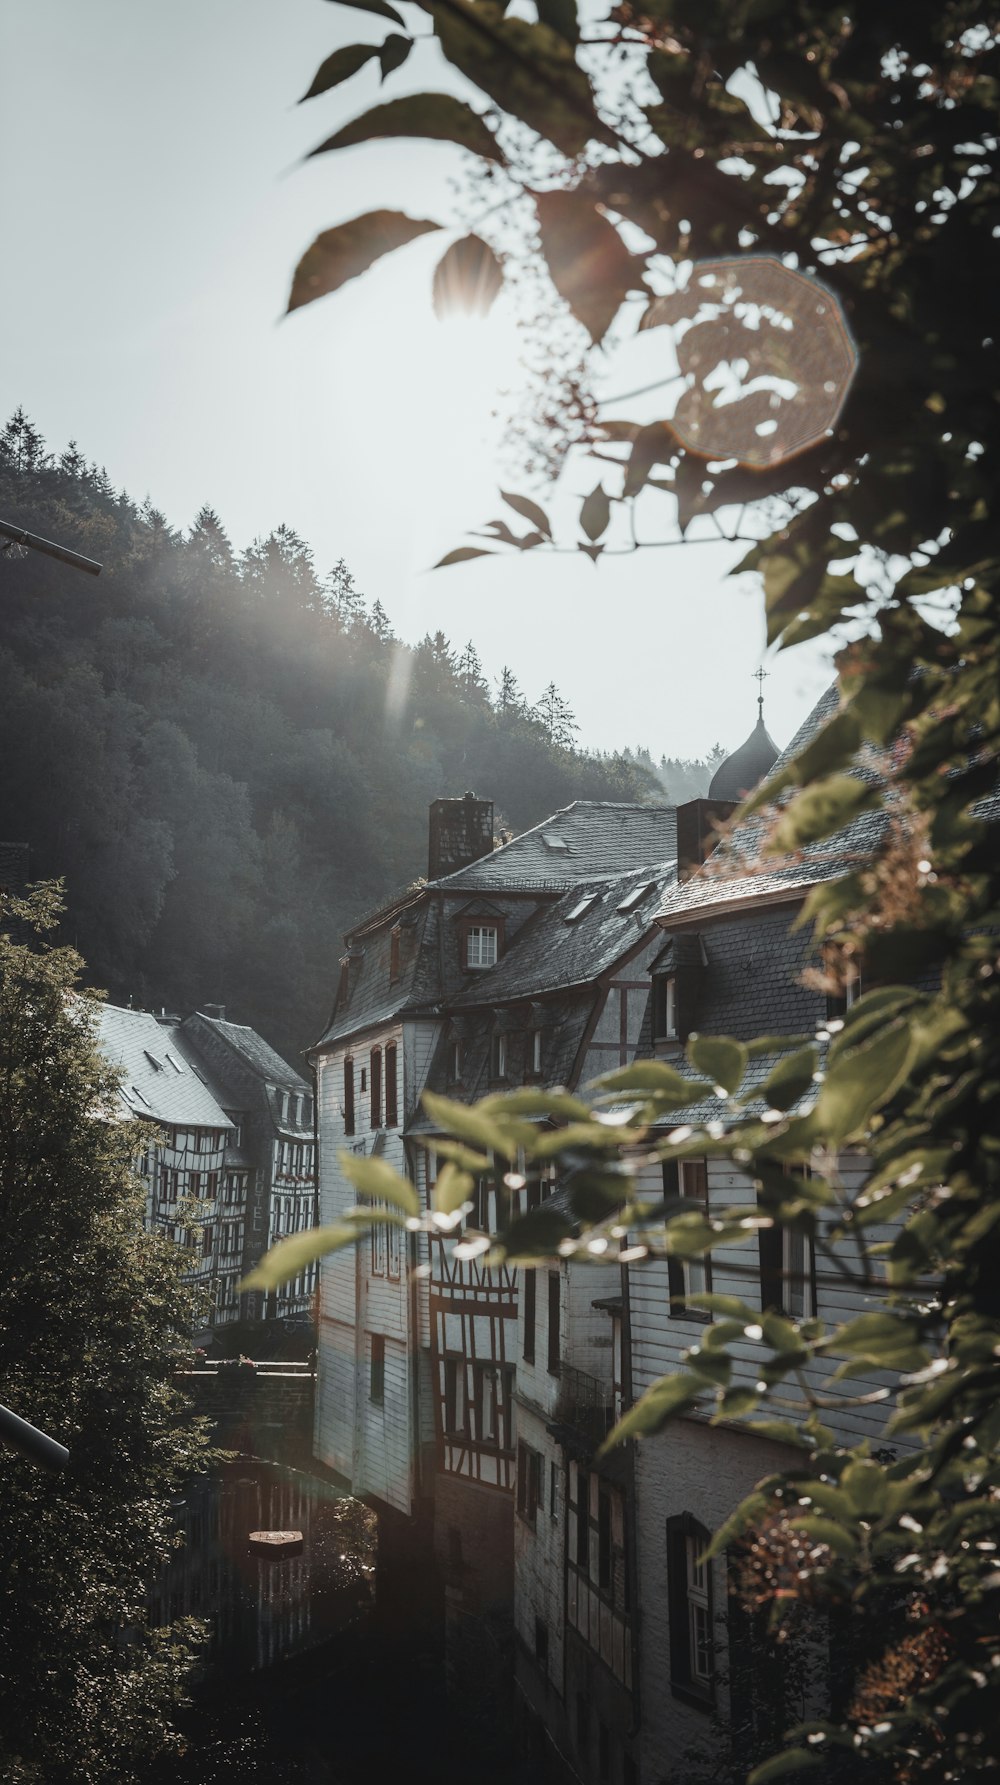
799	203
229	757
94	1319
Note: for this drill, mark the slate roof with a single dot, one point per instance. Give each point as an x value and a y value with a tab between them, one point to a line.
153	1085
597	837
739	870
257	1053
555	951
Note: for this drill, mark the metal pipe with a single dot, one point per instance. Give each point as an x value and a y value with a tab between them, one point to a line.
35	543
37	1446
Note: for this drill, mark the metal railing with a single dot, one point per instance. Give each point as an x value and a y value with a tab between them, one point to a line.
585	1402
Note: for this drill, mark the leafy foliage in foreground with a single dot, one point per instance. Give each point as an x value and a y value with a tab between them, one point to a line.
858	144
94	1319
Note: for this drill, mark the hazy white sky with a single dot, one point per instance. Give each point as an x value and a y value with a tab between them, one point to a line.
154	206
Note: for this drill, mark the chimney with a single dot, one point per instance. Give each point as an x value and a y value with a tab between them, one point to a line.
460	832
697	832
216	1011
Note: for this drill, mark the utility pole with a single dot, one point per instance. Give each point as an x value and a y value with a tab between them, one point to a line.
33	542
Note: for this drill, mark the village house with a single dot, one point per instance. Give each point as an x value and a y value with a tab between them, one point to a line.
230	1168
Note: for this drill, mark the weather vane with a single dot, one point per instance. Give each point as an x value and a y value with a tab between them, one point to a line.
760	677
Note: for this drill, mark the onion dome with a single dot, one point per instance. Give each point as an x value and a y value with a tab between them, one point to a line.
744	770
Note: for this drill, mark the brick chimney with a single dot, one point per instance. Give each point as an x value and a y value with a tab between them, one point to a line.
697	832
460	832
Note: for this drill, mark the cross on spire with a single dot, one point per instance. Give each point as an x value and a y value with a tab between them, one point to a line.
760	676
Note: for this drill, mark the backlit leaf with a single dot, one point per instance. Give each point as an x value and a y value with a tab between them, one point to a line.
351	248
588	262
667	1398
380	7
340	67
595	513
438	116
857	1083
529	510
453	1189
791	1760
462	554
393	53
467	279
820	810
527	70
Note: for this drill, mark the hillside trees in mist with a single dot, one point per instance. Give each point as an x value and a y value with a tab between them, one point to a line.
228	755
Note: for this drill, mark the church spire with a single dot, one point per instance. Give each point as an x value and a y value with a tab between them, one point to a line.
760	677
741	772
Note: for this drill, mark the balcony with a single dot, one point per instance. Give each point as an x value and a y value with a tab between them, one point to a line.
585	1405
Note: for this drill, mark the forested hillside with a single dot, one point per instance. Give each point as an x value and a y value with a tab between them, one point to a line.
229	756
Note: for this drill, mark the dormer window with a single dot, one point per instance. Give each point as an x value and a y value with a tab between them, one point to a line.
481	945
665	1007
535	1053
498	1057
637	895
455	1061
581	907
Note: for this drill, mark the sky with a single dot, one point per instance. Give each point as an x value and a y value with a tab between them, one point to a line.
155	200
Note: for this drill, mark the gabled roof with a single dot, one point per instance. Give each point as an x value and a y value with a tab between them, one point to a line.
159	1082
556	950
578	842
256	1053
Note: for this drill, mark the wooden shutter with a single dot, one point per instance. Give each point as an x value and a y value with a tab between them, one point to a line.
391	1087
530	1288
348	1096
554	1300
376	1090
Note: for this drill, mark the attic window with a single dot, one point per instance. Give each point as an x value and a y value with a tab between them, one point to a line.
636	896
556	843
481	945
664	1007
138	1094
581	907
156	1064
174	1063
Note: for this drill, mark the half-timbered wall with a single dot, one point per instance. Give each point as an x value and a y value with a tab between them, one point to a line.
186	1167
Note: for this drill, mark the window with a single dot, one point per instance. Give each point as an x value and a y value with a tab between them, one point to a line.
529	1483
535	1053
391	1087
454	1396
348	1096
604	1539
379	1234
553	1490
582	1519
664	1007
637	895
487	1392
688	1276
788	1269
542	1644
555	1298
376	1373
689	1592
206	1242
581	907
498	1057
530	1288
839	1003
481	945
282	1106
454	1062
375	1118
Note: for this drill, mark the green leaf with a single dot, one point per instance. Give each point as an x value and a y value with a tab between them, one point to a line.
821	810
654	1077
885	1341
477	1126
832	748
536	1234
528	70
722	1060
529	511
453	1189
595	513
340	67
461	555
859	1082
589	264
467	279
662	1402
376	1178
393	53
866	1486
286	1259
787	1082
532	1101
351	248
437	116
826	1530
381	7
791	1760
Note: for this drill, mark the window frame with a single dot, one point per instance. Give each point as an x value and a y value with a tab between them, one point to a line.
664	1008
487	944
677	1173
391	1085
350	1107
690	1597
530	1316
375	1094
